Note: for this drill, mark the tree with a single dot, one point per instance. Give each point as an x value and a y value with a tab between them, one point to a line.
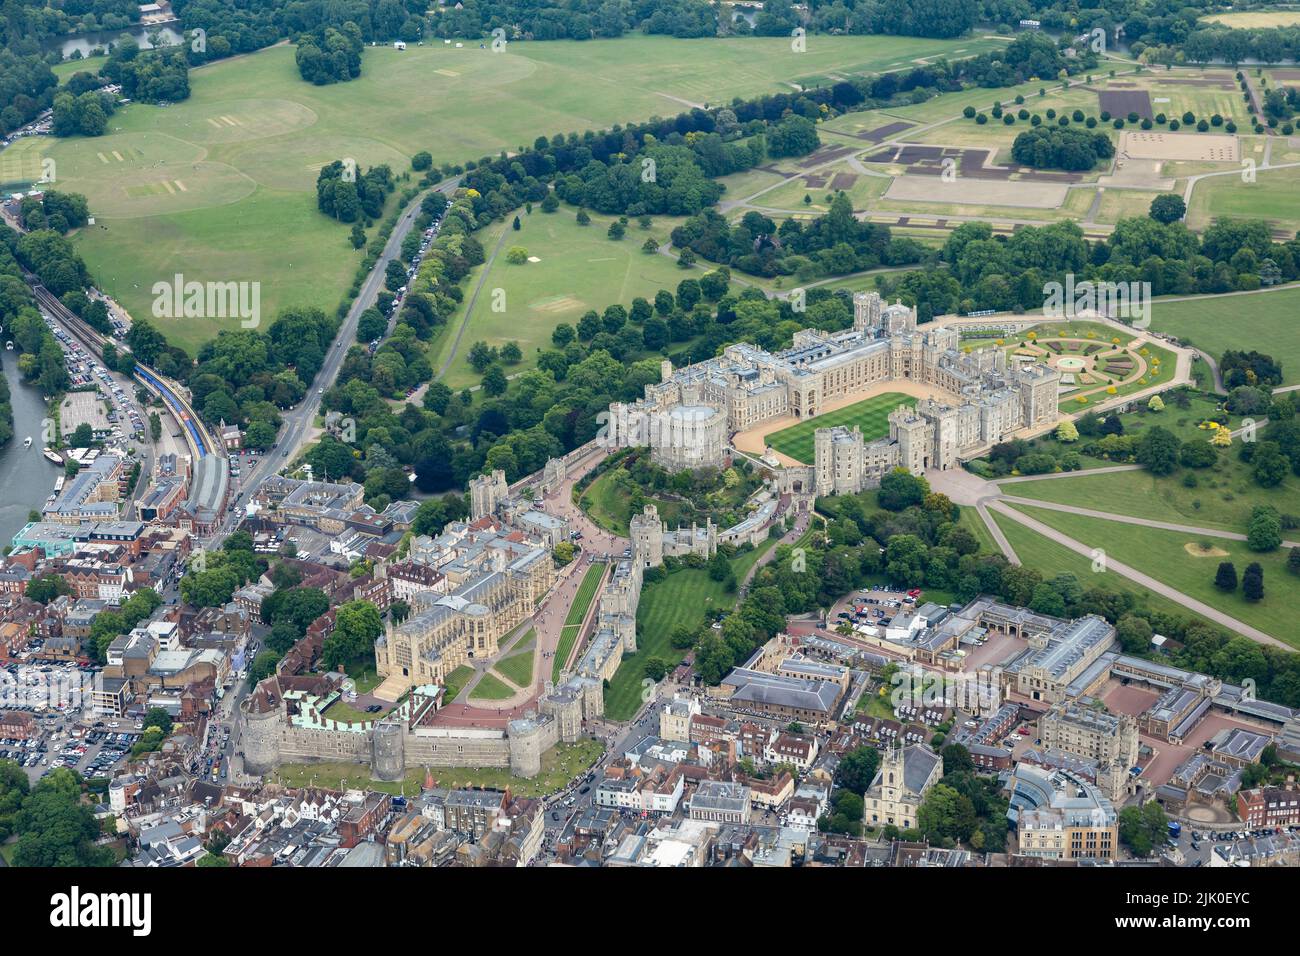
356	626
1269	467
583	219
263	666
1143	829
1252	582
857	769
1134	633
157	717
1225	579
1264	533
516	255
1167	208
47	587
1158	450
1157	404
900	489
55	828
494	381
655	668
1067	432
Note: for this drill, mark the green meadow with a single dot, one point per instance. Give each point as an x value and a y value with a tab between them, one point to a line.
221	186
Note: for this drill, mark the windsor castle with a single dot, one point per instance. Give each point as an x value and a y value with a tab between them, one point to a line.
973	401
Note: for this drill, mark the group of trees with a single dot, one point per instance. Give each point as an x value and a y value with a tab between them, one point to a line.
1061	147
344	193
6	412
213	577
1009	272
41	359
157	75
836	243
54	825
59	212
1252	582
330	55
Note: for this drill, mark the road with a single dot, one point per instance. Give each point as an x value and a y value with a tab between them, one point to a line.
297	428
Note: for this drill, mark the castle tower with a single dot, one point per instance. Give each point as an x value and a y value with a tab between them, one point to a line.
665	370
824	461
647	533
866	311
486	492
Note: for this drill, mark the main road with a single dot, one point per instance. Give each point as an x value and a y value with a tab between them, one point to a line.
298	421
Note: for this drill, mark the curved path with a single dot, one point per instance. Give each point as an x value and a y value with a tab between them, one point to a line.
1138	577
1130	519
964	488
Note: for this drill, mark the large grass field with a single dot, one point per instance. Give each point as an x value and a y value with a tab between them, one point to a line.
221	186
1256	20
577	613
580	269
1164	556
1216	323
681	598
1222	499
872	416
1050	559
1273	197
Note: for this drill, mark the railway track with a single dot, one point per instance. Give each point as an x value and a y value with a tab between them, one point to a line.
196	433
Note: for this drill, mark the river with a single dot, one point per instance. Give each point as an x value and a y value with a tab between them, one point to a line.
87	42
26	477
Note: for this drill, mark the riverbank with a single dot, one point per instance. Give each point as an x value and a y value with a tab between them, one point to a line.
25	475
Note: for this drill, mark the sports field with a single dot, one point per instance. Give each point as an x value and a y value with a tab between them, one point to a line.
1259	320
871	415
221	186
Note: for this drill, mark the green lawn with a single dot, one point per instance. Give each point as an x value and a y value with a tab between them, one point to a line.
456	682
577	613
1223	498
681	598
610	507
221	187
872	416
489	688
518	668
1217	323
560	764
1274	197
1162	555
345	712
1051	559
580	269
364	677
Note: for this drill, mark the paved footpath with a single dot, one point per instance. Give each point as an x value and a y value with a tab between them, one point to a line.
1133	574
1129	519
